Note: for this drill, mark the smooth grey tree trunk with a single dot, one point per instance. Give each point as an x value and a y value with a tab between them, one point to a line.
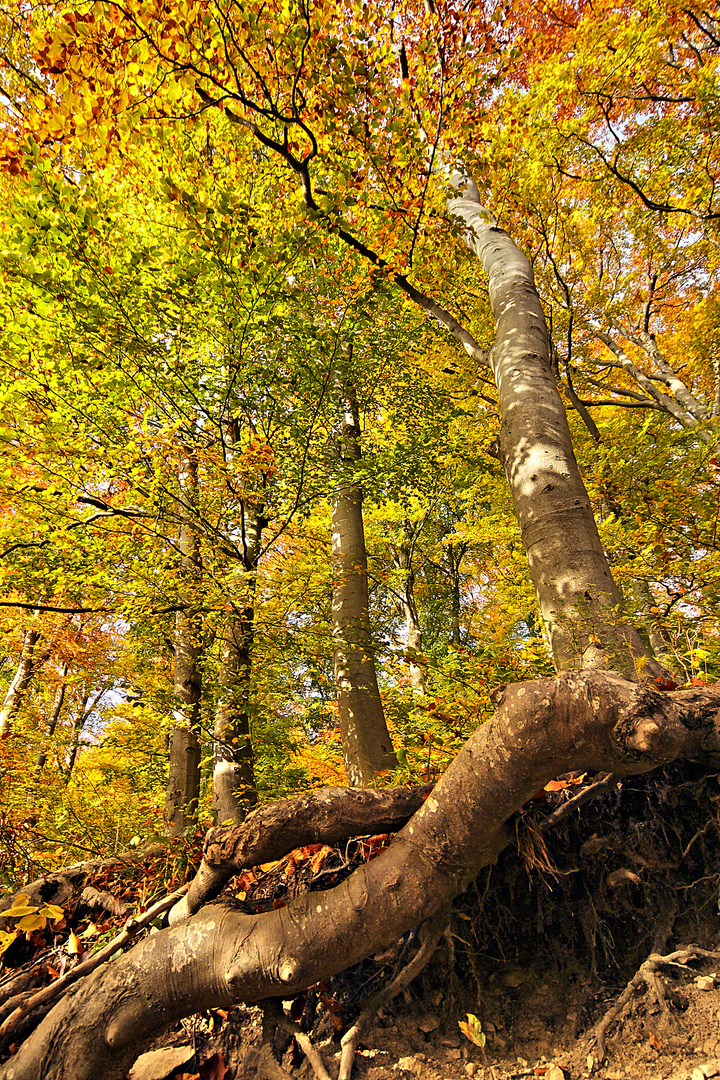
367	748
579	601
183	786
402	557
234	786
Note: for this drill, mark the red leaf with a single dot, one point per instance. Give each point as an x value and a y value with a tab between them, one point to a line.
665	684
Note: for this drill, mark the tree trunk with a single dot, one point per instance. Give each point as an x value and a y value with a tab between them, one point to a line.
454	555
644	603
578	598
30	662
234	787
52	719
183	786
583	720
78	725
367	748
402	556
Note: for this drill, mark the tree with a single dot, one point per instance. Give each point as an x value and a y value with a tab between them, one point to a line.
367	748
183	788
599	712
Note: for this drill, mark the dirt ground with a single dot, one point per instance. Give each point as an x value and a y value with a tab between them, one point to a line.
536	1037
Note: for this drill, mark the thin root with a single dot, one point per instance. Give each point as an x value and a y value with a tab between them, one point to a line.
648	973
430	934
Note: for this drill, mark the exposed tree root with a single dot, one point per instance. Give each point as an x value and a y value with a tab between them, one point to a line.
430	934
588	720
321	817
17	1008
60	886
606	782
275	1020
648	973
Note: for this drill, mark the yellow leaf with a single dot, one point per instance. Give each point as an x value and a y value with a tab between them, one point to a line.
266	866
19	911
33	922
472	1030
73	946
52	911
6	940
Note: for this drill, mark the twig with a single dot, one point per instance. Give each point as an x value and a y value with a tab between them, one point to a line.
604	784
55	990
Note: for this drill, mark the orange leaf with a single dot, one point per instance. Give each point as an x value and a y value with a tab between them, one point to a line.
319	857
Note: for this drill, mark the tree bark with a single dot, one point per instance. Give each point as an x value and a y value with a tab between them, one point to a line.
670	377
367	748
453	556
30	662
326	816
402	557
676	408
234	787
578	598
183	786
590	720
53	718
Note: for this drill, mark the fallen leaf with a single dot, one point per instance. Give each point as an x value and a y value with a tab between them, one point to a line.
665	684
6	940
74	945
266	867
319	857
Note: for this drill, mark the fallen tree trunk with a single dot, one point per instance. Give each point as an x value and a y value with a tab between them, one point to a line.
590	720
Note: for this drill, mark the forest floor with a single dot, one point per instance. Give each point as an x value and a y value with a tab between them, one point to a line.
534	1033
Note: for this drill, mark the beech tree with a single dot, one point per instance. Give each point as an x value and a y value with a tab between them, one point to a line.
367	748
322	104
